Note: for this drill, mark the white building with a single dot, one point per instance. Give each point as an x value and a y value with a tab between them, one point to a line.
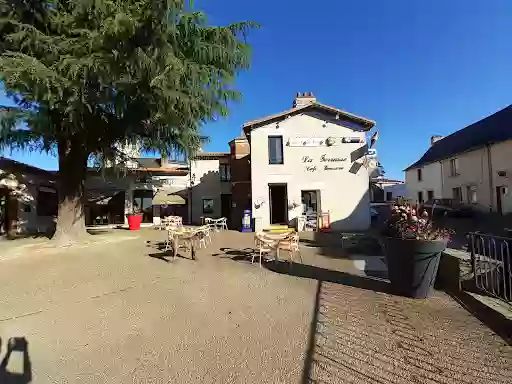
310	158
384	189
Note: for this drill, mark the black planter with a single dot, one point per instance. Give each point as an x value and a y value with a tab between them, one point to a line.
412	265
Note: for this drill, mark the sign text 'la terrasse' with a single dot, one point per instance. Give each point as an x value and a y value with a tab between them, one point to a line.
328	163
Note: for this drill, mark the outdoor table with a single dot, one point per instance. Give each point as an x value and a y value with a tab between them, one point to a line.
277	237
187	235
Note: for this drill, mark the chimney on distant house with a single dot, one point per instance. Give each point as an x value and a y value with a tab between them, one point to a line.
435	138
304	99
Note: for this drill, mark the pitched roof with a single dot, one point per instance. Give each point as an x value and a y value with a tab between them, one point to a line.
384	180
210	155
149	162
365	123
13	165
492	129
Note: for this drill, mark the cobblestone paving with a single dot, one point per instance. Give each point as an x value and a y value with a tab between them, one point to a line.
369	337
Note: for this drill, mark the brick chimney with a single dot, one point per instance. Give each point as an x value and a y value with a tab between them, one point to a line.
435	138
304	99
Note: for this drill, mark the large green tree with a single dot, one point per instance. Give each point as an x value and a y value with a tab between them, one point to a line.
89	75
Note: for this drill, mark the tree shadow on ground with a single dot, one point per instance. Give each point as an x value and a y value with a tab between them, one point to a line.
234	254
16	345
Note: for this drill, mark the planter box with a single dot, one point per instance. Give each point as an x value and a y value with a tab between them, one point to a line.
413	265
134	222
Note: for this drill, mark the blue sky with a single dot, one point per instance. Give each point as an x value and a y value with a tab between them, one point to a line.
418	68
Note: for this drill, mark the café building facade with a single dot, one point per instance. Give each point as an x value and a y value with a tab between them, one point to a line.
309	160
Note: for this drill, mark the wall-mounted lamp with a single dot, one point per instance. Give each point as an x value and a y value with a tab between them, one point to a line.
292	205
258	203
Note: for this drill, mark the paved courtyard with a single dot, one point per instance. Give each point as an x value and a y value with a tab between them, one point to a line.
122	312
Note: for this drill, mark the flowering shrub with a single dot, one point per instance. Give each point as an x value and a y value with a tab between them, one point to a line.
407	222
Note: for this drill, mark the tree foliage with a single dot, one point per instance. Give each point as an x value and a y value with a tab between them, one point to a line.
105	71
88	75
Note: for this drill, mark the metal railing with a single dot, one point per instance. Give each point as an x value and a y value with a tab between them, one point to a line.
491	258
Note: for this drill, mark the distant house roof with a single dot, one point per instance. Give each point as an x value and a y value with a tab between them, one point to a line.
210	155
149	162
384	180
343	115
492	129
10	165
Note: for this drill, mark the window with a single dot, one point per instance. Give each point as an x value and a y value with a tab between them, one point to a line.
430	195
47	202
389	196
471	194
275	149
420	197
208	205
420	176
454	165
225	172
457	194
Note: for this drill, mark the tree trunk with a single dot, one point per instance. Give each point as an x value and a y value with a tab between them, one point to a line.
72	173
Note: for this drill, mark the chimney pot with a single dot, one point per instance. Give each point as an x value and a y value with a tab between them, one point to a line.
303	98
435	138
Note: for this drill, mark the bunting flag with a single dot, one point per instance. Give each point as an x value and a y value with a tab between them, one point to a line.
374	138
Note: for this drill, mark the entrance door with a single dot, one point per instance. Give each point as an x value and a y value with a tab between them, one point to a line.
225	206
499	202
278	203
3	211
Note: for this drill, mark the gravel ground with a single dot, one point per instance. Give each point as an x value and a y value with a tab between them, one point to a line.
113	314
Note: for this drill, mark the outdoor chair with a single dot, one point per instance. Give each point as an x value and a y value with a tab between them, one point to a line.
170	238
223	223
200	236
207	232
291	244
264	244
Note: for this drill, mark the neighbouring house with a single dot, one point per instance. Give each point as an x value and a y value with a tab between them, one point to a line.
383	189
472	165
158	187
28	199
310	159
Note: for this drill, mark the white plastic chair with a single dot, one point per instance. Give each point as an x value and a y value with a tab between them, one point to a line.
223	222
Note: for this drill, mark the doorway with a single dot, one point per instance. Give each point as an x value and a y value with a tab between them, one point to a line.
499	199
225	206
278	203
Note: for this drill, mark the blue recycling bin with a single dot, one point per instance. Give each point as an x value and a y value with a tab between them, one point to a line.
247	221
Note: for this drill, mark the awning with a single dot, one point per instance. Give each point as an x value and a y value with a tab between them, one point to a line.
169	196
100	197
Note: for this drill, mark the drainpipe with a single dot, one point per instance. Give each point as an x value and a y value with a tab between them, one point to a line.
189	190
442	179
491	190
